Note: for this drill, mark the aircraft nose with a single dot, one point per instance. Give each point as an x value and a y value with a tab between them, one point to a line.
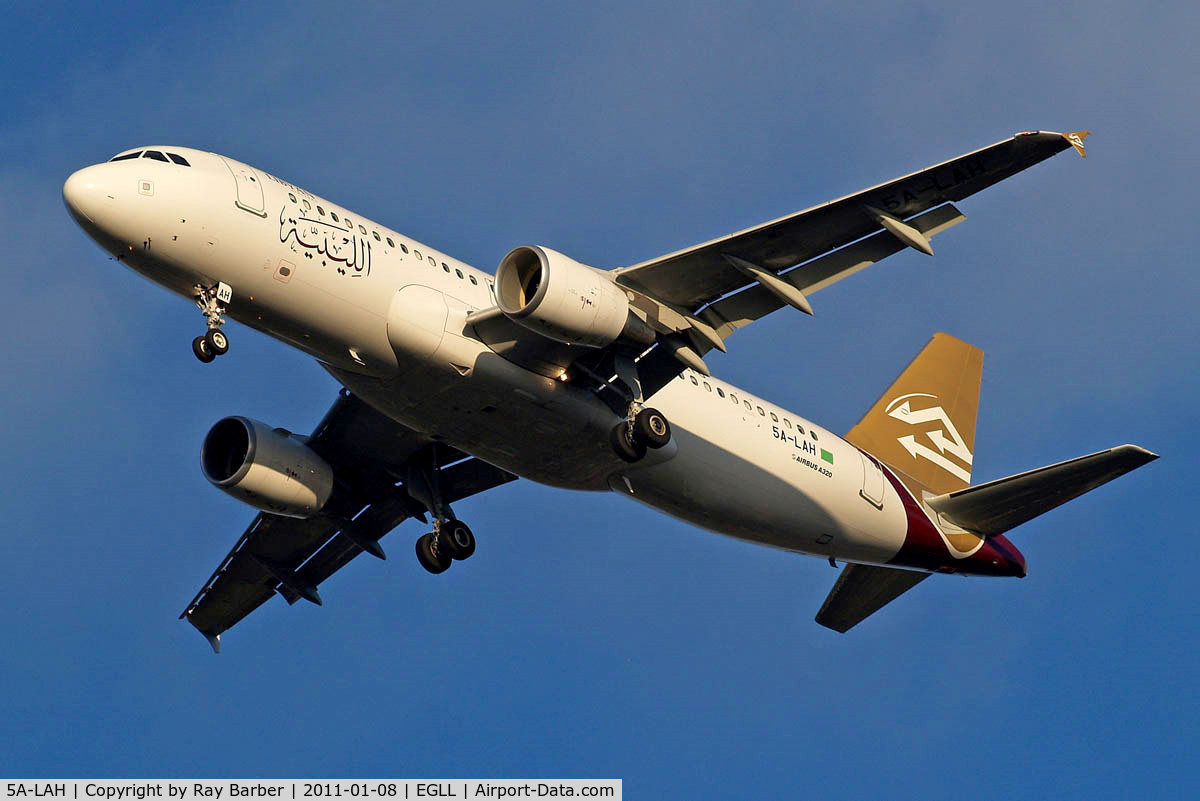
81	193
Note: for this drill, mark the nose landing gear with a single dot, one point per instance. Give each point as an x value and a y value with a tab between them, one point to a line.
209	300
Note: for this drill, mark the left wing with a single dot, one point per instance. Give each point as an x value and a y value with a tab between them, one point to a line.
370	455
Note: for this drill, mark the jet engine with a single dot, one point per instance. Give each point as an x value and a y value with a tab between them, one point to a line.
268	468
559	298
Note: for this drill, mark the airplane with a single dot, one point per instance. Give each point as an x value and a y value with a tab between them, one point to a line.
455	381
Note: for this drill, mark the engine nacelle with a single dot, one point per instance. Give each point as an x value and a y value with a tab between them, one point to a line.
266	467
559	298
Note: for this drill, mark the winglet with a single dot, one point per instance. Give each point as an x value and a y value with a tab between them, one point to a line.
214	640
1076	139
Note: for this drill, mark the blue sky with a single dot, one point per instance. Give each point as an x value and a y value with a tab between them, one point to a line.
591	637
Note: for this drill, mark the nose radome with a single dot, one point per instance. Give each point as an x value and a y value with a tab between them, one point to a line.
81	192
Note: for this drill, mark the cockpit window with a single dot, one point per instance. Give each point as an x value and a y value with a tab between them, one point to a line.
178	159
154	154
124	156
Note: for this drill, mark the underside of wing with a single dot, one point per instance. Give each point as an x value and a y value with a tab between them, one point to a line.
701	274
676	308
370	455
861	591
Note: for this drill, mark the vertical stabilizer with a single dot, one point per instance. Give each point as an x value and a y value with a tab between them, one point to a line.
923	426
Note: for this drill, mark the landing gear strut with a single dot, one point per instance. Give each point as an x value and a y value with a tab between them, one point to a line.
214	343
451	540
647	428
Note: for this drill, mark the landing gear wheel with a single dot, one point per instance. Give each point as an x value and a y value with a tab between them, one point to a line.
217	342
456	540
631	450
201	349
430	556
652	428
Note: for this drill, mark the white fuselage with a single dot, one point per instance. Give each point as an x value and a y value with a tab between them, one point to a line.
387	316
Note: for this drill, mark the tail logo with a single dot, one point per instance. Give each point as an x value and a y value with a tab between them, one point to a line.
947	442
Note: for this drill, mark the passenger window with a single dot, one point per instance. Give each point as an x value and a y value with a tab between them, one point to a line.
291	197
333	214
473	281
433	261
800	428
774	417
720	391
813	434
362	230
417	253
733	398
695	383
376	235
707	388
787	422
178	159
391	244
748	406
306	204
456	272
154	154
761	413
132	155
403	247
445	269
320	211
349	223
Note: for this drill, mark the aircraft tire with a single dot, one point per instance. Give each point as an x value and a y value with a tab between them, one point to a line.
630	450
200	348
217	342
431	560
652	428
456	540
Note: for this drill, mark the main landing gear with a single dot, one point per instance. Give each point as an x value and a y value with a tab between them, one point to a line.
451	539
214	343
648	428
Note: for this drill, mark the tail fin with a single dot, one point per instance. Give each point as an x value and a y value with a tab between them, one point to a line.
923	427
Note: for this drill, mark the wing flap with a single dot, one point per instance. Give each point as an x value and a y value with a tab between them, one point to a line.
755	302
1003	504
862	590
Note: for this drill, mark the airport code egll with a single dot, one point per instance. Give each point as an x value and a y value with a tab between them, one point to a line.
293	789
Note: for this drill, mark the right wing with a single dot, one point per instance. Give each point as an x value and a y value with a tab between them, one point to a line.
694	298
370	454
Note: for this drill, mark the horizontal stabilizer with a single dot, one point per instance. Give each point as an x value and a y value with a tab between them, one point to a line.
862	590
1003	504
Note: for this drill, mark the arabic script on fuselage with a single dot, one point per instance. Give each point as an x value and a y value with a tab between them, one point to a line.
325	241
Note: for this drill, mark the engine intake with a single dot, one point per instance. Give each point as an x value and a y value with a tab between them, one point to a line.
559	298
268	468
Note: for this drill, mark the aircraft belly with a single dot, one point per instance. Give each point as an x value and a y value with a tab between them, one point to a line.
734	476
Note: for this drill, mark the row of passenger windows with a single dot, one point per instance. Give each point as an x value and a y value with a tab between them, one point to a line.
362	230
761	411
153	154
